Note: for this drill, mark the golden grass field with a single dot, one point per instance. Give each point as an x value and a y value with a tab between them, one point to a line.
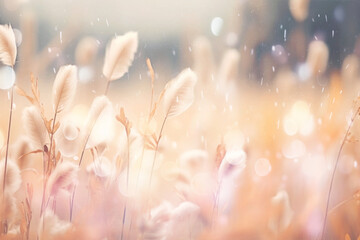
112	143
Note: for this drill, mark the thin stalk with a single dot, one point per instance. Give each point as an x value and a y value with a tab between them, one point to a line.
86	141
128	163
334	171
83	150
137	181
28	230
81	158
8	137
148	120
152	75
215	207
45	179
156	149
72	203
143	149
340	204
138	175
127	184
49	152
52	137
123	220
7	147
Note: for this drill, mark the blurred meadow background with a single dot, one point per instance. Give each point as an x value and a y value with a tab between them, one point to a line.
263	146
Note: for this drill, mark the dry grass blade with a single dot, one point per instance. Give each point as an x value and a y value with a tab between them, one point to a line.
32	152
21	92
35	100
179	94
64	87
150	141
119	55
124	121
35	88
156	104
151	71
152	75
7	45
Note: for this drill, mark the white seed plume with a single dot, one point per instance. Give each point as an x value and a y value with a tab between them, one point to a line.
13	178
179	94
8	208
98	106
281	212
185	222
101	167
232	164
8	49
64	176
155	226
64	87
19	152
34	127
119	55
51	227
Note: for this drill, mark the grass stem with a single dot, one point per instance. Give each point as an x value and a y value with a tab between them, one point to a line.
334	171
7	148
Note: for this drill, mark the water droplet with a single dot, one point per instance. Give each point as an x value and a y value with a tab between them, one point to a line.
70	131
7	77
85	74
216	26
304	71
